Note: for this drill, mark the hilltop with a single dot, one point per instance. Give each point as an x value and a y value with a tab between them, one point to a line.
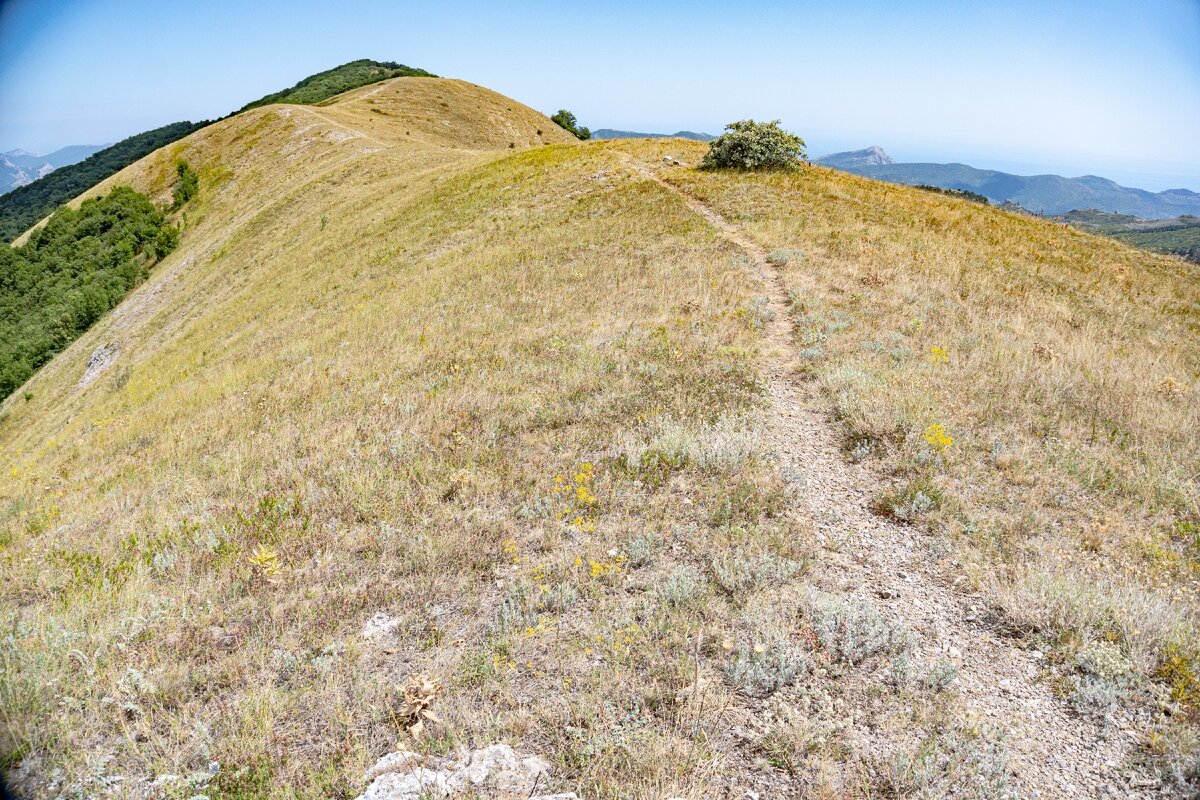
690	483
322	86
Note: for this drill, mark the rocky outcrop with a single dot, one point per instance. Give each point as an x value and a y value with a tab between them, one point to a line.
496	770
101	359
867	157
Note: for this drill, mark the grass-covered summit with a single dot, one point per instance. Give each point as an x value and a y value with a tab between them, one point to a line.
351	75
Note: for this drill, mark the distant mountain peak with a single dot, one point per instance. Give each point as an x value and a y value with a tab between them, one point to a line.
872	156
20	167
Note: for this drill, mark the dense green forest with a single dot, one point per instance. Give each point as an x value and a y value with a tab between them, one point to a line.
23	207
72	271
331	82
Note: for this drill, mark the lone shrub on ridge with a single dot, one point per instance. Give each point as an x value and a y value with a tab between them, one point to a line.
755	145
566	120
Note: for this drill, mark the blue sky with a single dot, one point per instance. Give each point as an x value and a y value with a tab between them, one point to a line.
1109	88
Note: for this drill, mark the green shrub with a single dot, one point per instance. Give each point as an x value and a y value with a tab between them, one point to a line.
566	120
187	185
755	145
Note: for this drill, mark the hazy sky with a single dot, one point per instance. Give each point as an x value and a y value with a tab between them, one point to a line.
1103	87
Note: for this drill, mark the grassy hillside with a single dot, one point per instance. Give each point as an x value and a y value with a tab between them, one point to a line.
514	404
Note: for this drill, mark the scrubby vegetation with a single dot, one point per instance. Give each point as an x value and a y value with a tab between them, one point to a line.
21	208
1180	236
750	145
566	120
1182	240
324	85
72	271
186	184
965	194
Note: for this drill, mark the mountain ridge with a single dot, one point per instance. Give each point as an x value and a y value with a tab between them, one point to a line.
609	133
21	167
1043	194
868	156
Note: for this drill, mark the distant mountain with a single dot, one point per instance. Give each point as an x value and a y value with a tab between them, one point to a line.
609	133
19	167
868	157
1041	194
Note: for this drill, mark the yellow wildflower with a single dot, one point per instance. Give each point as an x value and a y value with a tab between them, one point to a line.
938	438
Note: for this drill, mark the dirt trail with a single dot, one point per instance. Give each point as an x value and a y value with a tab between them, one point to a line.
1053	753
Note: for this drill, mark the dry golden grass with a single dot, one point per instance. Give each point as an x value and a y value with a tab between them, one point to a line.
509	397
349	391
1063	369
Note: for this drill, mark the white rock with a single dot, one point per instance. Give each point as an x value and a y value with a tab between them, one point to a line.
498	769
380	626
416	784
399	761
101	359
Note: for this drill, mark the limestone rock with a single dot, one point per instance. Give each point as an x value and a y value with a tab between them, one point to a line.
380	627
101	359
496	769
